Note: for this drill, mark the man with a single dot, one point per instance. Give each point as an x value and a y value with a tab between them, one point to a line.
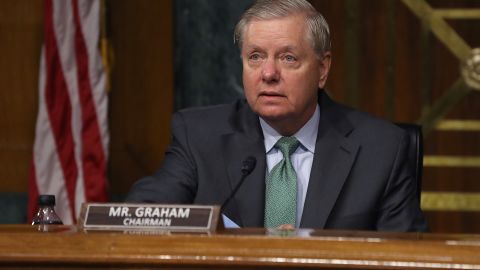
319	164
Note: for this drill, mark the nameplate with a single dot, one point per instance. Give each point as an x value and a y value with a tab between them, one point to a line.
168	217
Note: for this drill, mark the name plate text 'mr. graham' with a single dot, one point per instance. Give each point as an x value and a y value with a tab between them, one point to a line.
123	216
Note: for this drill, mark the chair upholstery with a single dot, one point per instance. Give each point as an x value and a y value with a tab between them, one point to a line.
415	153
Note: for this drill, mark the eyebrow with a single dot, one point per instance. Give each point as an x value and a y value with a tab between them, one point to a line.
253	48
288	48
282	49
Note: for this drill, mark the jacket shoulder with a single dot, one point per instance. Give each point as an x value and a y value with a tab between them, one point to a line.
211	119
369	128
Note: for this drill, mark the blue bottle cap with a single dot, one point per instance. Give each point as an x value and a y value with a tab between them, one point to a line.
46	200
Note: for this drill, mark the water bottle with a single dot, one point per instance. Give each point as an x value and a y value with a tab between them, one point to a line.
46	214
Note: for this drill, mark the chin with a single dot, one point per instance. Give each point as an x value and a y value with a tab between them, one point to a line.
272	115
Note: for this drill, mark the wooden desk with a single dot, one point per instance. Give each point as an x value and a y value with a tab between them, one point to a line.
64	247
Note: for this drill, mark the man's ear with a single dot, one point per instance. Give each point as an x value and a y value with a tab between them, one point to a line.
324	69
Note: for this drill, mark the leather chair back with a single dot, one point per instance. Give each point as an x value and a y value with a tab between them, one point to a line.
415	153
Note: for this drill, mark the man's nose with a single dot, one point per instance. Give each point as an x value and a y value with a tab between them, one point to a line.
270	72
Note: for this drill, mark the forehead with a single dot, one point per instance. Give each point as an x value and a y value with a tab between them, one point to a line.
290	30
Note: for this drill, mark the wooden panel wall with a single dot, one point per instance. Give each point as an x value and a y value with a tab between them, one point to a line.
142	88
444	71
20	41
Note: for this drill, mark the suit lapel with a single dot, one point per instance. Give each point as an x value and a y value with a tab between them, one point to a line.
334	156
247	207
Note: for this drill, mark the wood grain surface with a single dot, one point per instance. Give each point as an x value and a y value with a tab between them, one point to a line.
64	247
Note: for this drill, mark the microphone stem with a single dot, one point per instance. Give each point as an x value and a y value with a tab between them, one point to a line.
224	204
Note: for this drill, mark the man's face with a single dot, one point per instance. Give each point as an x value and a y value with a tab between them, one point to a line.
281	72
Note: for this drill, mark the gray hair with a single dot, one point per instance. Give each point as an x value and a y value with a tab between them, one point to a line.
318	30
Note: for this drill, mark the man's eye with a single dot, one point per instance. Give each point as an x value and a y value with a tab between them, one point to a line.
254	56
290	58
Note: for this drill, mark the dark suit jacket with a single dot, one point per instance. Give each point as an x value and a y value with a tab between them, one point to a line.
359	179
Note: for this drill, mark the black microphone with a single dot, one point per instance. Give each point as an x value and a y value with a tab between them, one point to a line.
248	165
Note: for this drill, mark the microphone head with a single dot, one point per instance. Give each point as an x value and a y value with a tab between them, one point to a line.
248	165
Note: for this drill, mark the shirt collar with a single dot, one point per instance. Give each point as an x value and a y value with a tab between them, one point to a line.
307	135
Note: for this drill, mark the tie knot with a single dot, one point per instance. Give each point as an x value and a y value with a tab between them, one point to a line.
287	145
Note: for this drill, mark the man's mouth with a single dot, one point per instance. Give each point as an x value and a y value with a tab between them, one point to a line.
271	94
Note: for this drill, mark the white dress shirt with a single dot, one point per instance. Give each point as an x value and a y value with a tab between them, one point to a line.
302	158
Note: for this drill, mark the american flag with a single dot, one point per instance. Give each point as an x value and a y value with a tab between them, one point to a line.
71	136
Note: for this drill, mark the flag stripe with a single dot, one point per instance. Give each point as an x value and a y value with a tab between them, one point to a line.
93	158
71	135
64	28
32	192
46	168
59	108
91	32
